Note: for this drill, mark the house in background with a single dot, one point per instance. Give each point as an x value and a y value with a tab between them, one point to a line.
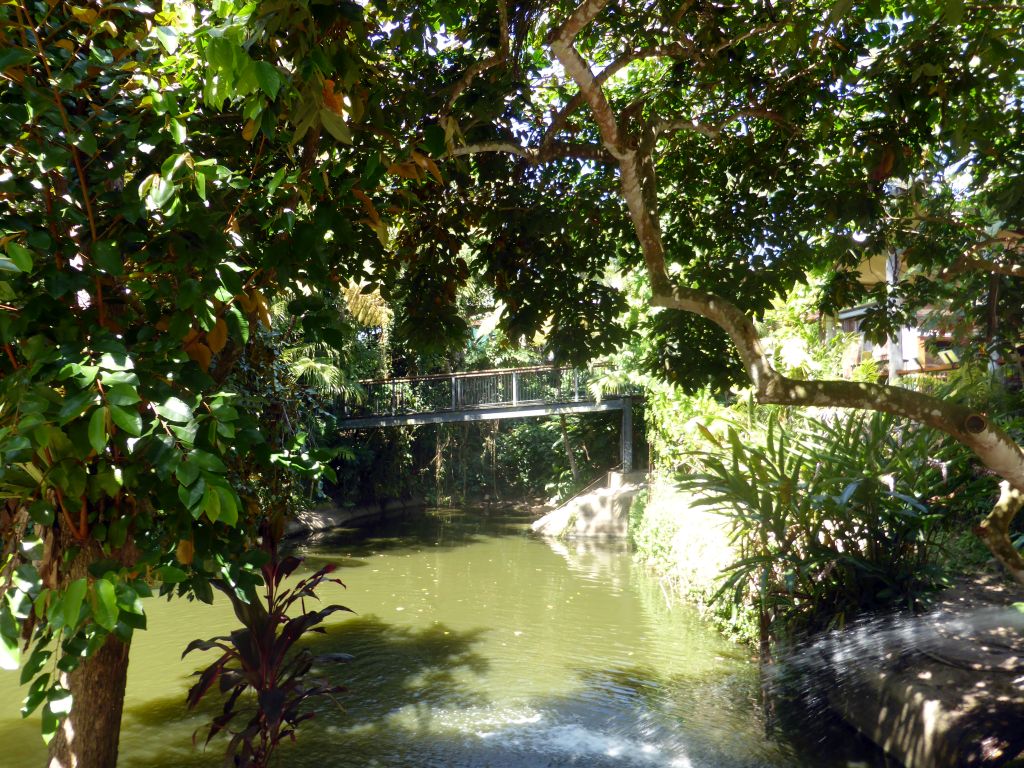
913	349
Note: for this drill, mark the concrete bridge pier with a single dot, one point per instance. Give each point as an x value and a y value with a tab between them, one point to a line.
626	435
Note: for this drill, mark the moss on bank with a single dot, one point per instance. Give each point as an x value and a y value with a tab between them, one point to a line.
688	547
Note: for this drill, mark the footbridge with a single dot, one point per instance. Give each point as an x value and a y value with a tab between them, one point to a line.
503	393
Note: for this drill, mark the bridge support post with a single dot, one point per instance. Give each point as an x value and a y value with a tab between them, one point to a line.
626	435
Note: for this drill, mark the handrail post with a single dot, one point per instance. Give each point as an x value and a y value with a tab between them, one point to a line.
576	386
455	404
515	388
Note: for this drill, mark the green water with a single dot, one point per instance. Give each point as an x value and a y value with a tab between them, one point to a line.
476	645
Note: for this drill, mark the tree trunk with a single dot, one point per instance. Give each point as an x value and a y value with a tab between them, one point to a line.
568	451
88	737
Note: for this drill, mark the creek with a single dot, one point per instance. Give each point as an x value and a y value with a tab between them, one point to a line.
478	645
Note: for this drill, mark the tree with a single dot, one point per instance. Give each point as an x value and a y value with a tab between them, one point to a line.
168	174
159	189
747	143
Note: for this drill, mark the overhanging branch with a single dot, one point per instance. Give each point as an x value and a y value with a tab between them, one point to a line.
996	449
479	67
534	155
558	122
561	42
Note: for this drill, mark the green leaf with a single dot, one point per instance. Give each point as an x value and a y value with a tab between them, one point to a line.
207	461
10	656
86	142
168	38
168	574
269	78
157	192
211	503
118	362
278	177
434	140
36	695
14	57
106	255
174	409
119	377
20	256
75	405
122	395
41	512
237	324
335	125
953	11
187	472
128	420
178	132
228	506
39	656
72	600
104	609
98	429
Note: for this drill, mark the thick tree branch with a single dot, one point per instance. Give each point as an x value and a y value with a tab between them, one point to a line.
994	447
714	131
558	122
479	67
561	42
534	155
994	530
636	170
969	263
997	450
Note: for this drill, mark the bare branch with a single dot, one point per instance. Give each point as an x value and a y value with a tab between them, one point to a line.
561	42
559	121
969	263
534	155
671	125
504	147
994	447
583	14
745	36
482	66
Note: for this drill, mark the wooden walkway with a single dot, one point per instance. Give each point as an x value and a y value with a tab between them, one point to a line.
505	393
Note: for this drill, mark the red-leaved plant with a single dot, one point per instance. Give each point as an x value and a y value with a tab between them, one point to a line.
260	658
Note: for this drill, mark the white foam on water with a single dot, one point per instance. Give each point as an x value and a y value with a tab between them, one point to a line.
573	740
526	730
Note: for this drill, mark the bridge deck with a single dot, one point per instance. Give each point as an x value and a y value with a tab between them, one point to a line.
507	393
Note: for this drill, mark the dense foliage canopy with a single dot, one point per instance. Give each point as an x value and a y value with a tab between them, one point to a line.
170	173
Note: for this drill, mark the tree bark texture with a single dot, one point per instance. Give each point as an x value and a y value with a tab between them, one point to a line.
88	737
568	450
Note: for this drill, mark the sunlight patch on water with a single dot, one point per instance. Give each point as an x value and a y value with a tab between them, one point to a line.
528	731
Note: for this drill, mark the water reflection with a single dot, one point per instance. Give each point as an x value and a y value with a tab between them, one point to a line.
476	645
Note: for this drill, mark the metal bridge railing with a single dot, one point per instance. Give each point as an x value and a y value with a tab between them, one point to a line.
475	389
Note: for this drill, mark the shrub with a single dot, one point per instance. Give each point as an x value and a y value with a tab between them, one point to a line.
830	517
260	658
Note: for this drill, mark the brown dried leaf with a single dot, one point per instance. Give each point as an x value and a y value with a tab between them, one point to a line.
200	353
185	552
217	337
